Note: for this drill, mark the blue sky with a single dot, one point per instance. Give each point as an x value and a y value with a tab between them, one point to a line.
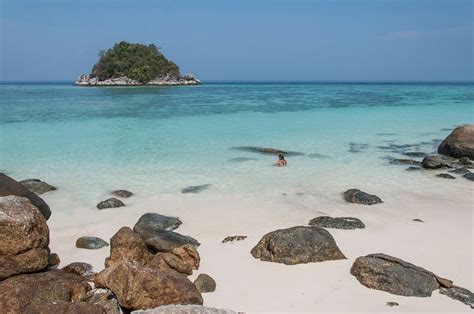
350	40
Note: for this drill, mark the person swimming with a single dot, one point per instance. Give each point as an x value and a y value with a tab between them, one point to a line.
281	161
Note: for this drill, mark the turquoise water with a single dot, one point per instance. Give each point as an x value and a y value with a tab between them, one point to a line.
162	139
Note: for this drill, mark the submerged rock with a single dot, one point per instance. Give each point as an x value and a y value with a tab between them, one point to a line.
90	243
234	238
139	287
267	151
393	275
8	186
164	241
398	161
319	156
348	223
357	147
150	223
122	193
469	176
241	159
359	197
24	237
445	176
204	283
110	203
37	186
460	143
460	170
195	188
438	162
416	154
413	169
297	245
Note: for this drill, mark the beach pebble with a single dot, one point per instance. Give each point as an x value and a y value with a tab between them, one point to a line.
122	193
417	220
90	243
234	238
37	186
80	269
110	203
445	176
359	197
204	283
297	245
348	223
392	304
195	188
150	223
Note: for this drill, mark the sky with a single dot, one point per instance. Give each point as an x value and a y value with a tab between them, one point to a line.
278	40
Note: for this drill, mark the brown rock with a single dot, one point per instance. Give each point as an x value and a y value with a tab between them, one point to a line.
105	299
359	197
81	269
139	287
182	260
46	292
8	186
53	260
24	237
460	143
127	245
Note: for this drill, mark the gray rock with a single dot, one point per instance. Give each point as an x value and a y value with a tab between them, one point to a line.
393	275
149	223
460	143
184	309
267	151
297	245
165	241
234	238
459	294
398	161
460	170
445	176
90	243
465	161
8	186
204	283
110	203
122	193
195	188
37	186
348	223
359	197
416	154
438	162
469	176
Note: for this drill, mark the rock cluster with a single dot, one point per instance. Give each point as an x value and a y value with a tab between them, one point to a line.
88	80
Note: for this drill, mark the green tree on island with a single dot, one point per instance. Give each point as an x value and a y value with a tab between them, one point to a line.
136	61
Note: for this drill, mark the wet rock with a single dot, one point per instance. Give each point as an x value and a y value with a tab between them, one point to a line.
459	294
445	176
204	283
122	193
8	186
392	304
110	203
397	161
81	269
460	143
460	170
184	309
416	154
127	245
438	162
469	176
399	148
149	223
234	238
241	159
164	241
297	245
138	287
90	243
359	197
195	188
357	147
24	237
53	291
413	169
393	275
105	299
37	186
348	223
53	261
267	151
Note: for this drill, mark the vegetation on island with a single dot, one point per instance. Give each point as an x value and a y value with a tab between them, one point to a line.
136	61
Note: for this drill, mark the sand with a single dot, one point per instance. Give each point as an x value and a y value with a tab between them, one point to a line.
443	243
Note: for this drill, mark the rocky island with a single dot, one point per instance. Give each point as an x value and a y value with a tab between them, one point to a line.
128	64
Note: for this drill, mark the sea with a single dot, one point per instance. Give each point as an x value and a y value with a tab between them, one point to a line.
160	140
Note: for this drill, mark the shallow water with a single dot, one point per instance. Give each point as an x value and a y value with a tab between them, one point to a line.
88	141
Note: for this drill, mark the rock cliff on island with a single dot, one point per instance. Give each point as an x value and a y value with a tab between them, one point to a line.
129	64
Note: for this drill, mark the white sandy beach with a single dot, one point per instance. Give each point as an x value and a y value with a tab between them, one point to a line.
442	244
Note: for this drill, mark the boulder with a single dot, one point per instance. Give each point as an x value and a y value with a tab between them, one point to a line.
165	240
459	294
139	287
195	188
460	143
8	186
127	245
110	203
81	269
90	243
445	176
348	223
150	223
184	309
182	260
204	283
469	176
122	193
297	245
24	237
438	162
37	186
393	275
46	292
359	197
234	238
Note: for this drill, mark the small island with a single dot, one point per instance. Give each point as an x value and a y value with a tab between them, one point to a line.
128	64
